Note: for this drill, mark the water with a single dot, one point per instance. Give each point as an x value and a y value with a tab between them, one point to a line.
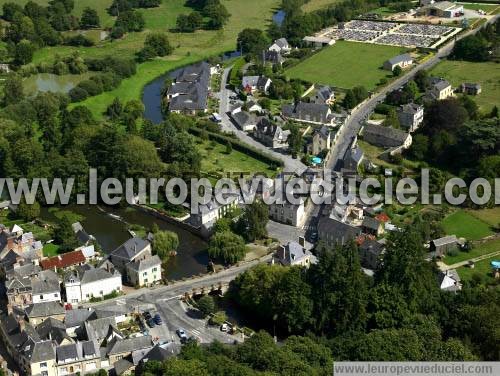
45	82
279	17
110	232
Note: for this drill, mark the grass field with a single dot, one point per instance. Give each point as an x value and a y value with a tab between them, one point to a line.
487	74
464	225
490	216
486	7
346	64
215	159
480	250
482	267
313	5
50	250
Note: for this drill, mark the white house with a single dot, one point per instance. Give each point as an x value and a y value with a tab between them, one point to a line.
280	45
45	287
86	282
402	61
410	116
288	213
145	272
294	254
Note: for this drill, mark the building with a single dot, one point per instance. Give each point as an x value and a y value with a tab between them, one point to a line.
46	287
37	313
386	137
321	140
86	282
333	232
312	113
64	261
28	284
410	116
442	9
133	249
16	245
402	61
439	247
288	213
245	121
324	95
207	214
78	358
189	92
318	41
119	349
280	45
144	272
250	84
440	89
293	254
372	226
470	88
371	253
449	280
353	157
38	358
271	134
273	57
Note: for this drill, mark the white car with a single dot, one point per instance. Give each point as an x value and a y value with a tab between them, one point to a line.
182	334
224	327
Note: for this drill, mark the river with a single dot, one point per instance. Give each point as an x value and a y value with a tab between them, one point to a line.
110	232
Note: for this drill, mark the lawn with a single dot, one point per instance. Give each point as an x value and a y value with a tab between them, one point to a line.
215	159
479	250
488	8
346	64
464	225
50	250
313	5
487	74
490	216
372	153
482	267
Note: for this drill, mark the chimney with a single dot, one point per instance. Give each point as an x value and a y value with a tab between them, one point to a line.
302	241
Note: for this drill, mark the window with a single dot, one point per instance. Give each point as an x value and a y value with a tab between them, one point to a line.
43	365
41	297
144	274
56	295
45	373
101	292
155	269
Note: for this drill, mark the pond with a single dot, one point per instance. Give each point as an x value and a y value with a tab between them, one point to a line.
109	226
44	82
279	17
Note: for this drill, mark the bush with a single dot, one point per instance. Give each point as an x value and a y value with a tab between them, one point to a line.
78	94
91	86
117	32
79	40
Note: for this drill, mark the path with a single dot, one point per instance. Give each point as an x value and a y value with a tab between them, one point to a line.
443	267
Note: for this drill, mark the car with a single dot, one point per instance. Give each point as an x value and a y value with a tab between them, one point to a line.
182	334
151	322
224	327
146	315
157	319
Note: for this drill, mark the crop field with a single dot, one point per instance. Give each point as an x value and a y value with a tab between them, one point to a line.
346	64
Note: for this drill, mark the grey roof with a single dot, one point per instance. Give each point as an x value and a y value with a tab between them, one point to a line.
324	132
451	239
122	366
145	264
130	248
372	246
387	136
294	252
52	329
399	59
199	72
193	96
244	118
355	154
410	108
88	274
159	353
99	328
26	270
38	352
281	42
45	309
118	346
43	285
470	85
77	317
273	57
439	83
371	223
67	352
315	112
324	93
340	232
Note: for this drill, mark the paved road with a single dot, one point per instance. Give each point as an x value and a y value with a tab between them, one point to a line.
291	164
353	125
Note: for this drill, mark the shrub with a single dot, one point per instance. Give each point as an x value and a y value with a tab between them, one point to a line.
78	94
79	40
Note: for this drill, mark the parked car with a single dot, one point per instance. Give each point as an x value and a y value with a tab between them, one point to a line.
151	322
182	334
157	319
224	328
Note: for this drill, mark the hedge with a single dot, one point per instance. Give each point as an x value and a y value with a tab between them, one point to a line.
240	146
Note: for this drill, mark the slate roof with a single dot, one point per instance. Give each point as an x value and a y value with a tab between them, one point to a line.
118	346
40	285
371	223
122	366
145	264
273	57
294	252
159	353
265	127
77	317
385	136
323	94
439	83
372	246
88	274
323	132
451	239
281	42
399	59
130	248
193	98
410	108
244	118
52	329
307	112
340	232
38	352
45	309
99	328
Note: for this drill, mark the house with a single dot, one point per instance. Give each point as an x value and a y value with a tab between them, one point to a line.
370	254
16	243
33	287
324	95
37	313
402	61
442	9
293	254
54	330
449	280
132	250
118	349
439	247
46	287
353	157
318	41
280	45
64	261
440	89
410	116
470	88
80	233
333	232
158	353
146	272
386	137
245	121
288	213
252	106
86	282
321	140
312	113
250	84
189	92
271	134
78	358
372	226
207	214
273	57
38	358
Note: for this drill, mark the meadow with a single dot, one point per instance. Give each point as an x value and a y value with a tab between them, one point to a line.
346	64
479	250
463	224
487	74
313	5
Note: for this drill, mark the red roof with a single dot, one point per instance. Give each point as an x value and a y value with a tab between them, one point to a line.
63	261
382	217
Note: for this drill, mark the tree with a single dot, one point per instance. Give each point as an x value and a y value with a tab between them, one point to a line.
115	109
350	100
28	212
23	52
89	18
494	112
190	22
397	71
392	119
217	14
471	48
411	89
227	246
252	41
130	21
64	235
206	305
360	93
11	10
254	220
294	140
159	43
422	80
13	90
164	243
229	147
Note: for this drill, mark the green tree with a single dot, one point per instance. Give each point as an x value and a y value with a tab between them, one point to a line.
23	52
229	147
13	90
397	71
159	43
206	305
165	242
64	235
89	18
252	41
28	212
411	88
392	120
350	100
227	246
295	140
254	220
115	109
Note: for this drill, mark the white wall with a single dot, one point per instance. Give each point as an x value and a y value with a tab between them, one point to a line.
100	288
54	296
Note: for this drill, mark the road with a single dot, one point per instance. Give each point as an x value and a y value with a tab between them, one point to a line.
291	164
360	114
